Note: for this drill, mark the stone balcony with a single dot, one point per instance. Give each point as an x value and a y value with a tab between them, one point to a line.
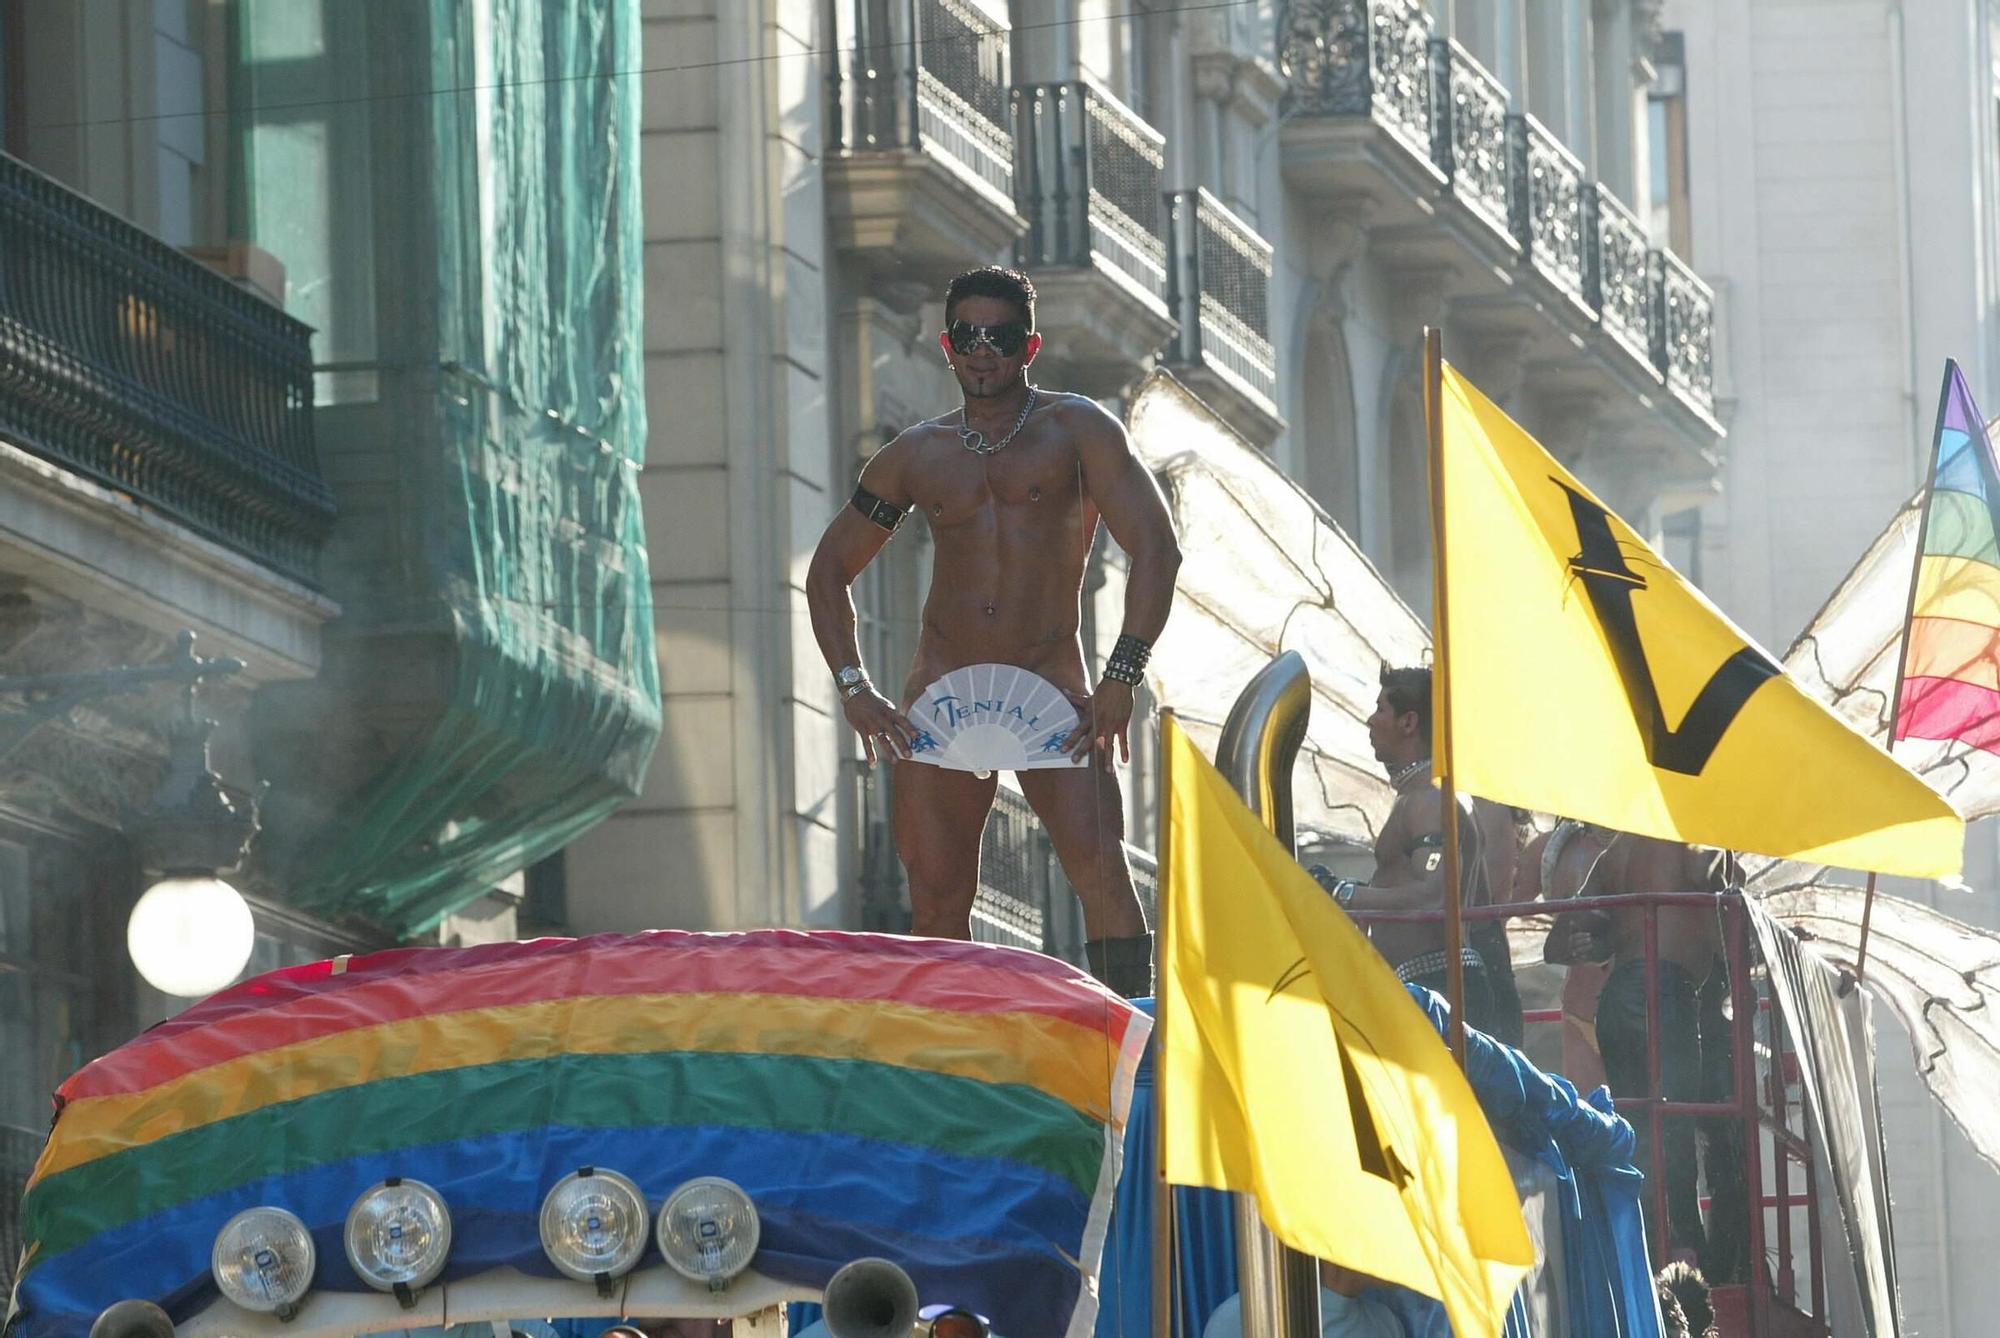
1220	293
1392	126
1088	177
157	442
920	153
128	364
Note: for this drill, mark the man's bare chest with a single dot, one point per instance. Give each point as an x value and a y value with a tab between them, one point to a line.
1026	482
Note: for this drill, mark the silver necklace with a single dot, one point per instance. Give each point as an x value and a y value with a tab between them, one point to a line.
1403	773
976	442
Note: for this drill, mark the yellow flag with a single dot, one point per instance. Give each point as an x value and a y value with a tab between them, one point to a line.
1588	679
1298	1069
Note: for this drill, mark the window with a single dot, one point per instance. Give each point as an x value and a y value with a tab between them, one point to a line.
1666	129
1680	543
1146	34
302	192
545	896
1113	39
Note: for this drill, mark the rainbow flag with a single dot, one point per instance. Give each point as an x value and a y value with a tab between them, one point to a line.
955	1107
1950	688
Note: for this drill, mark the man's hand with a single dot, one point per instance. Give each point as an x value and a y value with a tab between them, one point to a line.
885	732
1578	937
1101	718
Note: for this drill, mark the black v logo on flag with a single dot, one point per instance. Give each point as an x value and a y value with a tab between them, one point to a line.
1611	583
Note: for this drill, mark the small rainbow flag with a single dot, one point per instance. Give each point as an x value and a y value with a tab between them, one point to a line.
957	1108
1950	688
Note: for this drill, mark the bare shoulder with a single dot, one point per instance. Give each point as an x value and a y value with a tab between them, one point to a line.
1084	418
1419	812
1711	869
894	469
914	438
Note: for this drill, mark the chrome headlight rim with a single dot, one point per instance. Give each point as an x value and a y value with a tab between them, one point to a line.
419	1279
264	1305
663	1224
621	1186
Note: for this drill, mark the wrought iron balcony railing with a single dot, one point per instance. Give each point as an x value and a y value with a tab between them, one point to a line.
1381	61
1220	293
1018	877
1618	275
1683	329
1023	898
1356	58
1471	137
1090	172
928	75
126	362
1548	205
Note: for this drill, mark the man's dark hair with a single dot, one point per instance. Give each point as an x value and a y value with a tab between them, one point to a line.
1409	690
1688	1287
1009	285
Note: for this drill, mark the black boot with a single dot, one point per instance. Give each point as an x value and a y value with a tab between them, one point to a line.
1125	965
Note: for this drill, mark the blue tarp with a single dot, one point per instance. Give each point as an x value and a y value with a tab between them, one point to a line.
1608	1285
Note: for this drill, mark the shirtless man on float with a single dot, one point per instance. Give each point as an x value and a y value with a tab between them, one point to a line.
1688	940
1012	486
1555	866
1409	854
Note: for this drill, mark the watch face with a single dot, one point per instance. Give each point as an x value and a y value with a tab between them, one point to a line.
850	675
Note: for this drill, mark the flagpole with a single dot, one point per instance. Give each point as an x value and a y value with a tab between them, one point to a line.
1163	1193
1454	927
1903	641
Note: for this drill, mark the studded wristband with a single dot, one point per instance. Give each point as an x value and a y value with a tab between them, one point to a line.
1127	664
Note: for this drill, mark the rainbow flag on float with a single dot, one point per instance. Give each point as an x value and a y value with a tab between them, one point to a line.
1950	687
955	1107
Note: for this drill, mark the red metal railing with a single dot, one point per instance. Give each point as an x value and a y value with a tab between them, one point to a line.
1771	1303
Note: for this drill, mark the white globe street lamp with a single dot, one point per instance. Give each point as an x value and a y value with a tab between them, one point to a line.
190	936
191	933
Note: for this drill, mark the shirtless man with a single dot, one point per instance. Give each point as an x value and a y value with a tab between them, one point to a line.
1556	866
1409	852
1012	486
1688	938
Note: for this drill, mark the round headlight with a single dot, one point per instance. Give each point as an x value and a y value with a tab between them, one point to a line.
398	1234
263	1260
708	1230
594	1224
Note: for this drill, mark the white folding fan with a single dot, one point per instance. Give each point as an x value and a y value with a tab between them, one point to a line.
992	717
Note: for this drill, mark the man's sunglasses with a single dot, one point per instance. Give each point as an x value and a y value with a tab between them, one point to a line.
1006	339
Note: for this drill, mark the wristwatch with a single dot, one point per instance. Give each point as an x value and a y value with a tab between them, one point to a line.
850	675
1342	890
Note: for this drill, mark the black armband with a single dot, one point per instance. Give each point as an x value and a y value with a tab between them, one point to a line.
884	513
1127	664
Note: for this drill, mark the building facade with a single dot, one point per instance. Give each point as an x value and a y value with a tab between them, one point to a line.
1270	200
1843	188
320	337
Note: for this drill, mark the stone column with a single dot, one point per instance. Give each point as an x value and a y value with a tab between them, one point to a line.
1615	94
736	824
